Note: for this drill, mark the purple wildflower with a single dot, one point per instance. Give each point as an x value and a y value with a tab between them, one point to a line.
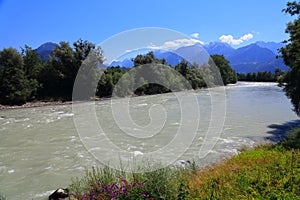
145	195
99	184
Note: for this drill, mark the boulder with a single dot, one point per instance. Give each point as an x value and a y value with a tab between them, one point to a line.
59	194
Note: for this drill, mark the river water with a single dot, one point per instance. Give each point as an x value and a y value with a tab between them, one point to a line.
41	148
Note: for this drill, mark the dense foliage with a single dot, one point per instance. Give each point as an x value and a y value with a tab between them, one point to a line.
15	86
291	56
26	77
228	74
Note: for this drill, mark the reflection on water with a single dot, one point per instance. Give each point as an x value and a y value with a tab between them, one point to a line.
41	151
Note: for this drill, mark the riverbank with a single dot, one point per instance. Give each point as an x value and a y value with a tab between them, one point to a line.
44	103
35	104
266	172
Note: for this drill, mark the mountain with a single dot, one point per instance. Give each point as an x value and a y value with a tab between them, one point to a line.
220	48
171	57
127	62
193	53
255	58
251	58
45	50
273	46
251	54
259	56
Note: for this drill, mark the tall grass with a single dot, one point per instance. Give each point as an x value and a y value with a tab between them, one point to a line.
267	172
163	183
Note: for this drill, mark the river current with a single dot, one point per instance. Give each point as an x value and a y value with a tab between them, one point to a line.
41	149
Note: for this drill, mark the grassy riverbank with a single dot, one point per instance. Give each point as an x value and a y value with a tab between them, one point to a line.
266	172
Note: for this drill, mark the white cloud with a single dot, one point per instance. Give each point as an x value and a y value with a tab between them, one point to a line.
230	40
174	44
195	35
247	37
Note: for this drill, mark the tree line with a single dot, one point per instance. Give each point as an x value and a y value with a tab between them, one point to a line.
265	76
25	77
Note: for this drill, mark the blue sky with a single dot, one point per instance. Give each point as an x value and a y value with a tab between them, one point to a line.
237	22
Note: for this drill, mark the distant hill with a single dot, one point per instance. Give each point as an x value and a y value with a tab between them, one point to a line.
46	50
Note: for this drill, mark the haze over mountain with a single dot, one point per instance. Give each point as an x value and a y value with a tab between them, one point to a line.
259	56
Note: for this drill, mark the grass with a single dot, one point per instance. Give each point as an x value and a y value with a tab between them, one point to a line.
266	172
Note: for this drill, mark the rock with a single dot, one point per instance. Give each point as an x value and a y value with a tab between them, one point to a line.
182	163
59	194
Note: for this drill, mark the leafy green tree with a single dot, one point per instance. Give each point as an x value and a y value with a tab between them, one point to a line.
82	50
228	74
57	73
183	68
64	60
14	86
105	85
153	72
191	73
291	56
147	59
33	66
109	79
86	84
61	70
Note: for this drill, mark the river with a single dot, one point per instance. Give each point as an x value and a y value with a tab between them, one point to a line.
41	148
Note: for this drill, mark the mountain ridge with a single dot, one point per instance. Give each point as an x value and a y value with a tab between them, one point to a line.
255	57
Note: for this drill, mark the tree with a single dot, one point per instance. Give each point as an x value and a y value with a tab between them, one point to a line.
33	66
57	73
228	74
86	83
82	50
183	68
291	56
151	72
14	85
61	70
